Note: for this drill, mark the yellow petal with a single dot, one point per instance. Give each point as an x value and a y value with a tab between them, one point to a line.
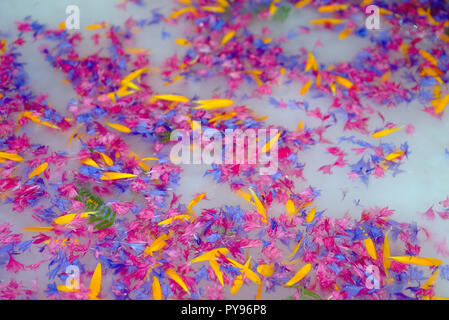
327	21
246	269
290	206
333	8
306	87
310	215
38	229
119	127
157	245
36	119
244	195
45	123
214	104
223	3
271	143
386	76
144	166
228	37
302	3
183	42
64	288
370	248
295	249
11	156
133	75
194	202
137	50
213	9
178	217
428	57
73	134
344	34
236	263
131	85
333	87
157	291
106	159
90	162
440	298
38	170
385	11
265	270
417	260
394	155
31	116
431	72
442	104
259	291
251	275
431	281
299	275
171	97
383	133
116	176
172	274
211	254
177	13
437	92
259	206
237	284
95	283
65	219
344	82
123	91
216	267
273	8
364	3
311	62
386	254
96	26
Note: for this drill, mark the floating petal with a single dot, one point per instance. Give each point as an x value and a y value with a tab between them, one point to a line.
38	170
172	274
119	127
299	275
417	260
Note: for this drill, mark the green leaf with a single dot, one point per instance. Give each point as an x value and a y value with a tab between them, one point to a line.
447	31
94	203
164	136
282	14
311	294
104	219
307	294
